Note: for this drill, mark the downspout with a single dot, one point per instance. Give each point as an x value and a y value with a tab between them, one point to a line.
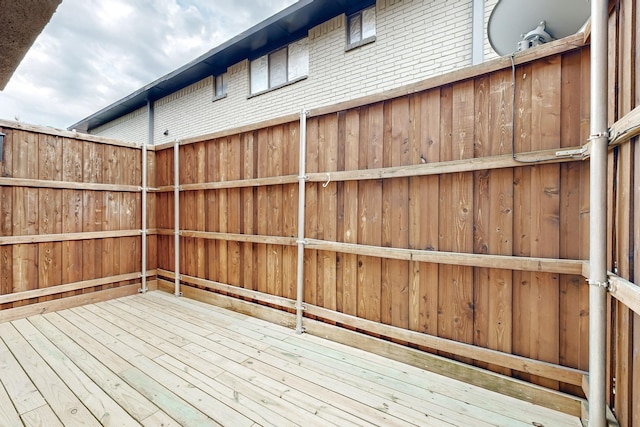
598	218
145	186
302	178
176	210
477	32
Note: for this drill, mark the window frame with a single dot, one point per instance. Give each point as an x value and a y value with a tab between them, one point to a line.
363	41
223	95
268	68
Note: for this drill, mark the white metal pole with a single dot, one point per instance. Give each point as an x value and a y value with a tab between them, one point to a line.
176	210
302	178
144	194
598	215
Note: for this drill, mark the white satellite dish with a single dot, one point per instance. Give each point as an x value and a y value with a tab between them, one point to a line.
517	24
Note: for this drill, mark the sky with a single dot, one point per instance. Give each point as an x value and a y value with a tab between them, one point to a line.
95	52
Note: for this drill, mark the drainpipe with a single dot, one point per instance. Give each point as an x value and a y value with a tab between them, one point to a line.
598	219
301	242
176	210
477	32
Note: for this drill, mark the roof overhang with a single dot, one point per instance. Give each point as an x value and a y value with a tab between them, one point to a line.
288	25
22	21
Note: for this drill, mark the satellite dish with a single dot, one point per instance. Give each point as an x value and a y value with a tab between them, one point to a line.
516	24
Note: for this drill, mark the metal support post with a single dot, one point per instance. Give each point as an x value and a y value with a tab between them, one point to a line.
301	201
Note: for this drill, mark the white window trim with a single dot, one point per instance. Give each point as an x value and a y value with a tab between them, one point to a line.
215	87
364	41
280	86
272	88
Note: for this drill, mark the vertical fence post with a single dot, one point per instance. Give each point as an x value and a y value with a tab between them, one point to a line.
598	280
302	178
176	210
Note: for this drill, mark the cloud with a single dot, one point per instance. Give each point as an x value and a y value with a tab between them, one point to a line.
93	52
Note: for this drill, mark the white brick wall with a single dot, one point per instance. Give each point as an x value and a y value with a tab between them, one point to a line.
130	127
415	39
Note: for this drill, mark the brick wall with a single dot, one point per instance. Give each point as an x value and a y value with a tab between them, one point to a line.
414	40
130	127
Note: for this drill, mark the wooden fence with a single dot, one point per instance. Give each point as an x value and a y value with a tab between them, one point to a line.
417	215
70	219
624	205
451	215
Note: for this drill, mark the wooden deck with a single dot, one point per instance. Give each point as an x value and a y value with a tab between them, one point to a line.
157	360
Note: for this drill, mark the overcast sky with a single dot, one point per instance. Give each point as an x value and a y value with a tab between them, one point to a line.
95	52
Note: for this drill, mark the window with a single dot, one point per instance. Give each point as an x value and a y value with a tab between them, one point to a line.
361	27
220	86
283	66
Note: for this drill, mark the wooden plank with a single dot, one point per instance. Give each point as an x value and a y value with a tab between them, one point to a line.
235	183
63	303
370	208
72	210
274	209
25	211
16	383
231	393
200	258
456	292
471	375
93	397
574	299
625	291
522	212
434	388
92	215
290	165
248	210
545	182
430	202
188	171
311	214
110	246
211	209
174	406
547	265
67	237
69	287
62	400
626	128
349	262
50	215
548	156
65	185
327	210
500	207
436	168
6	217
41	417
395	215
223	213
232	290
523	364
485	107
8	414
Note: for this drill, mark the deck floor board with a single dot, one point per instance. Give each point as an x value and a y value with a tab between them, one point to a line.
158	360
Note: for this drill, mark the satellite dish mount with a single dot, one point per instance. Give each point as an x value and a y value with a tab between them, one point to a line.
535	37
